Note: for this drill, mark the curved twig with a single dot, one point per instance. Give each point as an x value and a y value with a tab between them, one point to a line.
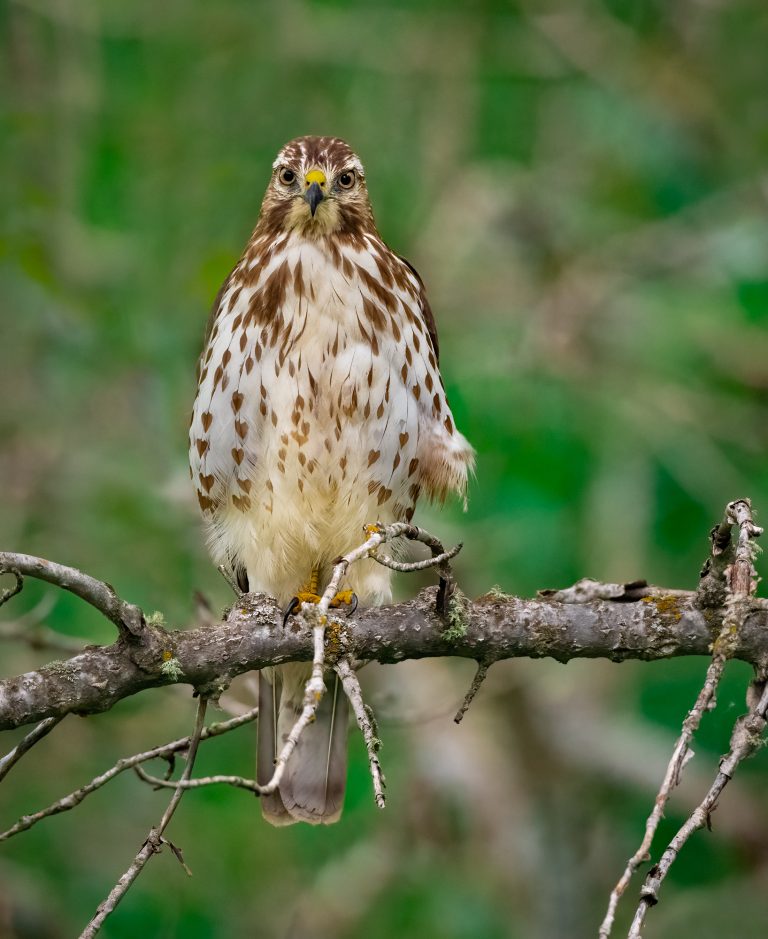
9	592
239	782
128	618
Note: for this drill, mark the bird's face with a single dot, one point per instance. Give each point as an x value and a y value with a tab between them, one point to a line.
317	188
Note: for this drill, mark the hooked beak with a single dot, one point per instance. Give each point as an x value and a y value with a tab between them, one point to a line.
313	197
314	184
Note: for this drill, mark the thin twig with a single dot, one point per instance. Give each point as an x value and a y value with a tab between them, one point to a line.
164	751
738	607
447	582
9	592
239	782
407	567
13	756
128	618
469	697
155	839
745	740
366	724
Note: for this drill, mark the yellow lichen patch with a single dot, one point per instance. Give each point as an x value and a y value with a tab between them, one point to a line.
334	639
167	655
666	605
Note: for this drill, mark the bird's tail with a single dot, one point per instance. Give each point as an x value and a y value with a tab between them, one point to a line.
312	788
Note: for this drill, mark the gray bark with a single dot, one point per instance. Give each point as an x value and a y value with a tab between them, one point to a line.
494	627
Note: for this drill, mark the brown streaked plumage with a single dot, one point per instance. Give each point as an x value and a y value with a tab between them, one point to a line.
320	408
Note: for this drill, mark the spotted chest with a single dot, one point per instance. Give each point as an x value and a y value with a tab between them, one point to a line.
318	394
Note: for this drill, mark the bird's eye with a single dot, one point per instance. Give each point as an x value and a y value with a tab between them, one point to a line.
347	179
286	176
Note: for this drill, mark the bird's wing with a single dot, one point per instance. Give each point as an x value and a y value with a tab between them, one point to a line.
445	456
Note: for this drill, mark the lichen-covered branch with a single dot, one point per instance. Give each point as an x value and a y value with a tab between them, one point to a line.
494	627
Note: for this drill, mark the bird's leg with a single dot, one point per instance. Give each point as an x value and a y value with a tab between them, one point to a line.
309	594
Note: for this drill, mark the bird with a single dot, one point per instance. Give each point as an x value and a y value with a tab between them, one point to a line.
320	408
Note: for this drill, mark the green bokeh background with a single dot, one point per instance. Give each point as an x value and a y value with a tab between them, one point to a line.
583	187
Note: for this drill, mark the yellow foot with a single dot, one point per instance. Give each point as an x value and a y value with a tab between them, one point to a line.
342	598
345	598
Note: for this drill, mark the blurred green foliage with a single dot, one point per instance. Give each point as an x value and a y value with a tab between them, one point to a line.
582	185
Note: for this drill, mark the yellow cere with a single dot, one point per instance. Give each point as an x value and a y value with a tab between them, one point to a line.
315	176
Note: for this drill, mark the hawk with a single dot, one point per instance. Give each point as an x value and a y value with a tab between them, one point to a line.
319	408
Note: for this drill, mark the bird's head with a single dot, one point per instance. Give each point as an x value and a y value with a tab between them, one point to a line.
317	188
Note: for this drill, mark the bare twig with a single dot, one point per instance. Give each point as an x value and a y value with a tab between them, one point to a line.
128	618
366	724
745	740
12	758
155	839
239	782
738	606
9	592
440	557
164	751
407	567
469	697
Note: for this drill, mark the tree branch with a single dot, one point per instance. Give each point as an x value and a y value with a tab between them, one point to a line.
656	625
588	620
128	618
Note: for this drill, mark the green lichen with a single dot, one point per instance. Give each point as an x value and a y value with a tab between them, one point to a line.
457	617
496	593
171	667
156	619
57	667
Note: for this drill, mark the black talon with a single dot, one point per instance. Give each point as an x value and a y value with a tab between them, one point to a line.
294	604
352	605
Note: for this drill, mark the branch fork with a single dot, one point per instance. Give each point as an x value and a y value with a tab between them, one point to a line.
729	579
